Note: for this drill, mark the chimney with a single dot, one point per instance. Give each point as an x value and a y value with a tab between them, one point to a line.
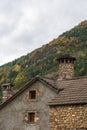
66	66
6	91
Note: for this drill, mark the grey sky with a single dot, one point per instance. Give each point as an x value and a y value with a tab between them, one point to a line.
28	24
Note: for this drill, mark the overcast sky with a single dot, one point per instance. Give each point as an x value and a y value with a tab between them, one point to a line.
28	24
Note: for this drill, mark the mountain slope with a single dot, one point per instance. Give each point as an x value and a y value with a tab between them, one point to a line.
43	60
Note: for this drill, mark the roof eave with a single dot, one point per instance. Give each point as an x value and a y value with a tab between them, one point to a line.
67	104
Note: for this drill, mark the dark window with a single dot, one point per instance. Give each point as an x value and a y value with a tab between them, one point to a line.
62	61
66	61
31	117
70	61
32	94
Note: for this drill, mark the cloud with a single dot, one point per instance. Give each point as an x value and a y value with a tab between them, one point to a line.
28	24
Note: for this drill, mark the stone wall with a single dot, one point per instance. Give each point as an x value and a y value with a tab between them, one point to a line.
68	117
66	70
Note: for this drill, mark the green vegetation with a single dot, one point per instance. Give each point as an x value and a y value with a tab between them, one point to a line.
43	60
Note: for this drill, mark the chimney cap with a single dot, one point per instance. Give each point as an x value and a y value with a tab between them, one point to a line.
7	84
66	56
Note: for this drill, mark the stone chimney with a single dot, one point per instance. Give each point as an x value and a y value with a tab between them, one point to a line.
6	91
66	66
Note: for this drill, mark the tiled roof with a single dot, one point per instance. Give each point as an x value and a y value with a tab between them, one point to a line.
72	92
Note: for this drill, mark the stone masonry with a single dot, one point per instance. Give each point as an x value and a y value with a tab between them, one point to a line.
66	67
68	117
66	70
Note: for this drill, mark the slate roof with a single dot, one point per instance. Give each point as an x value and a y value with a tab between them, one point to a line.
72	92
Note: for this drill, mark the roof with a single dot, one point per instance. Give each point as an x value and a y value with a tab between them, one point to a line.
27	85
70	91
73	92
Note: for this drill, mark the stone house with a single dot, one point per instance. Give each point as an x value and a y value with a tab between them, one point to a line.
28	109
47	103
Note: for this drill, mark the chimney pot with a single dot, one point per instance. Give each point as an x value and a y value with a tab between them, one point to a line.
6	91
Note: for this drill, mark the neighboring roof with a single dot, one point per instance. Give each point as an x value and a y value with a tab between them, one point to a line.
73	92
28	84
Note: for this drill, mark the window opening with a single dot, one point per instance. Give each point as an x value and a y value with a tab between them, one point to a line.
32	94
31	117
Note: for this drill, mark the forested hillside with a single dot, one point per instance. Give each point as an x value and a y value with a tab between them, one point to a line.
43	60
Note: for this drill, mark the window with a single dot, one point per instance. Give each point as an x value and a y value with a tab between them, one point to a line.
32	94
62	61
31	117
66	61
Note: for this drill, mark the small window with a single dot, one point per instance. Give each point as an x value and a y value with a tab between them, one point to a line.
66	61
31	117
32	94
